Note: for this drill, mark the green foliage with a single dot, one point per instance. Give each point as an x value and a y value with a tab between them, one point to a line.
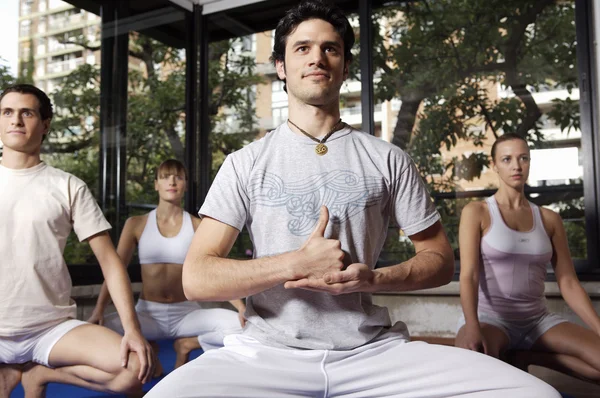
572	212
232	80
155	117
155	114
446	58
6	78
466	70
566	114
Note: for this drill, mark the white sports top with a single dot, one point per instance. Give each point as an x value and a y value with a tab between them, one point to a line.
154	248
513	267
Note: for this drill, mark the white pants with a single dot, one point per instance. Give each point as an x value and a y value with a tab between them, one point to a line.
35	346
522	333
390	367
185	319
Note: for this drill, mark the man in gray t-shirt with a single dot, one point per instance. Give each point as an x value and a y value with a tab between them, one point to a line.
363	184
317	197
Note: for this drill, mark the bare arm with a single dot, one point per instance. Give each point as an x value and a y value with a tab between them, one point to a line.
209	276
469	240
125	249
568	283
237	304
432	265
116	278
120	289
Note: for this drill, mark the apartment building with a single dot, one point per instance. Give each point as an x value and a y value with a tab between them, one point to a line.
48	33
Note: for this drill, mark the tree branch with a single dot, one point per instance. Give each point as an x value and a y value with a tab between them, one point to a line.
488	119
68	147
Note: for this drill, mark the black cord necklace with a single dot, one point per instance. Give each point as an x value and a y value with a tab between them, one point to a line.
321	148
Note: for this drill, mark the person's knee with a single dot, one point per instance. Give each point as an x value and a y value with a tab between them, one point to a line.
10	376
126	379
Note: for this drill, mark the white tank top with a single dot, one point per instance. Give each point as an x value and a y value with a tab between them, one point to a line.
154	248
513	267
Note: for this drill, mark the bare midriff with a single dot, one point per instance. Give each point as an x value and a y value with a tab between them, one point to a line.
162	283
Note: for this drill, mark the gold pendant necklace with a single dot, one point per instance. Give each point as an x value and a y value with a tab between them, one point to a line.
321	149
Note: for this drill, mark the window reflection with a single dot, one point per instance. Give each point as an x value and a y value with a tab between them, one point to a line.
454	76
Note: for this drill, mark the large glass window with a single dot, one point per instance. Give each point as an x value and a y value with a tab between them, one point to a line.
241	99
449	77
455	75
73	143
246	100
155	114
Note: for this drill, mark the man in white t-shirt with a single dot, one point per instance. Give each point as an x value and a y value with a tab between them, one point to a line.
317	197
39	205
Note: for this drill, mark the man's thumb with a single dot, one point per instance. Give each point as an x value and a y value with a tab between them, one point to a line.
322	222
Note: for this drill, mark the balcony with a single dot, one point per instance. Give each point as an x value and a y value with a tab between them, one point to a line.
353	115
544	95
64	66
59	21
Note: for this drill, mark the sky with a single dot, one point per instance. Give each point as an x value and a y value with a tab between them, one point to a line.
9	34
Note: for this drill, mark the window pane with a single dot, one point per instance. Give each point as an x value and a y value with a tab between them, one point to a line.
350	93
74	87
155	114
455	75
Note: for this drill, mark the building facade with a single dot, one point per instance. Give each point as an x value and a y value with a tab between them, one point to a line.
54	39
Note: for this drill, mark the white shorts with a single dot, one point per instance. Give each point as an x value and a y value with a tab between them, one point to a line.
391	367
521	333
35	346
184	319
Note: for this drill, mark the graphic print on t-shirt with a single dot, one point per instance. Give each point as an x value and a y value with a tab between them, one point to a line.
344	192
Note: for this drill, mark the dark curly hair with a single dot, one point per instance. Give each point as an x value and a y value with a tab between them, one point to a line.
312	9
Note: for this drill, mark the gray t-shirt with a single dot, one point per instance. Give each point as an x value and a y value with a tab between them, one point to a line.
275	187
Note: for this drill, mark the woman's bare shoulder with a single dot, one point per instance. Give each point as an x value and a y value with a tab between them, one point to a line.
477	208
136	224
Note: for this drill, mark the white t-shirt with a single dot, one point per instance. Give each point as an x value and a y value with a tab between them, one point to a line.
38	208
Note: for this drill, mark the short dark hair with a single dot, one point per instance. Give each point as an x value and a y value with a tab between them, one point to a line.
312	9
504	138
170	167
45	103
